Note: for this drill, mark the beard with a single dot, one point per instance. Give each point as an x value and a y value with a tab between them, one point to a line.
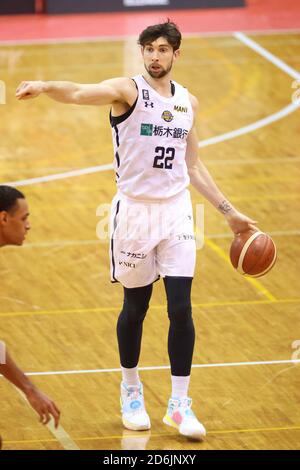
161	72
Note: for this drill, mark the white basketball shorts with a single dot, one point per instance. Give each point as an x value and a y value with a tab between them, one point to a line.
149	240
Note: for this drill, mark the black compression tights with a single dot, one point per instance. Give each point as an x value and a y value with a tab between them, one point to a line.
181	336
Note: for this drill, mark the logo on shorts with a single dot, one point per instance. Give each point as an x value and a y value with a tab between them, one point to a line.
134	255
147	129
185	237
167	116
126	264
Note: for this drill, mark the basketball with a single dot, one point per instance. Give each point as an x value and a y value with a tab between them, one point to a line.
253	253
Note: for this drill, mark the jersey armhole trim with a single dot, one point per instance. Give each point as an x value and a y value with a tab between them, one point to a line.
172	88
115	120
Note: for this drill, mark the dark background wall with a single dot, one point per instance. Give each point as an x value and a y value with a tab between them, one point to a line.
68	6
80	6
16	6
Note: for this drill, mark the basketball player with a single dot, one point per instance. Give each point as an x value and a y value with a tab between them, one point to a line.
14	225
156	157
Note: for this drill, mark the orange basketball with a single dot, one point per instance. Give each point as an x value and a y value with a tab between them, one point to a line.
253	253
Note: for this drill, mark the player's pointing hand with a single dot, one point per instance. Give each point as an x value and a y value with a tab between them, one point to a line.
27	90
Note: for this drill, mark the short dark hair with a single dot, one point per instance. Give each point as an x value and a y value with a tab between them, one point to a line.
168	30
9	197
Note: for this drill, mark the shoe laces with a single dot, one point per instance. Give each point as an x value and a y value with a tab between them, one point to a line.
133	393
134	398
183	405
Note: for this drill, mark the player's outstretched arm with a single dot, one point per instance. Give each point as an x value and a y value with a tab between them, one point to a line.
42	404
111	91
202	180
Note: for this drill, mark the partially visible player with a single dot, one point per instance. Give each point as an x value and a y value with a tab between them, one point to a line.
14	225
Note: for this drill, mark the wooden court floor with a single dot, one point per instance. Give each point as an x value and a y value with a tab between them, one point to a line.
58	309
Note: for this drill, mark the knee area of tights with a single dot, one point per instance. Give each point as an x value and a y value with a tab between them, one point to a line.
180	313
134	313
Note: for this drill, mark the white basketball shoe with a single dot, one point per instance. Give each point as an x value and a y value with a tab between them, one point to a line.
180	416
134	415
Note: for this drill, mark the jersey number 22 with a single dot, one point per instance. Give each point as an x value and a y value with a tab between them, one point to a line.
164	157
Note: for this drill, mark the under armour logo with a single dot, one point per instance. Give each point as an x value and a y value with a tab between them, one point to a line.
149	104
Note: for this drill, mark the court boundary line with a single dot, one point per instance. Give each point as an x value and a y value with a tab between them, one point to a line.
258	124
257	48
155	368
93	310
252	281
62	436
287	159
267	55
152	307
292	107
212	236
282	113
116	38
159	435
60	433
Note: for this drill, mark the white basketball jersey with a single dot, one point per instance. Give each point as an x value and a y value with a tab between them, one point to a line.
150	143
